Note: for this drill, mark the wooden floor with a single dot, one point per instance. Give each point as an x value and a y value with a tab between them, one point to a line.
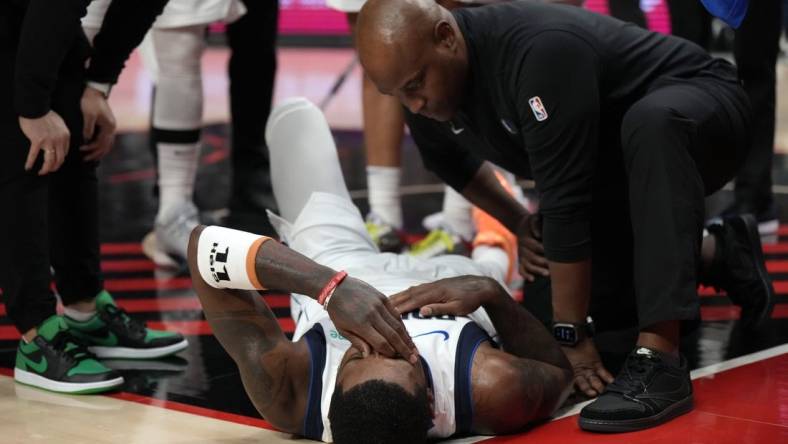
741	401
31	415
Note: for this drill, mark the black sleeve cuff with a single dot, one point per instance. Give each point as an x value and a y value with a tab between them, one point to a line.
31	103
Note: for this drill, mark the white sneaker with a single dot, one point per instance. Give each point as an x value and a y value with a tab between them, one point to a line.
166	246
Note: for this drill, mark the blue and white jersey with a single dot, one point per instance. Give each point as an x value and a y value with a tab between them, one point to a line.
446	344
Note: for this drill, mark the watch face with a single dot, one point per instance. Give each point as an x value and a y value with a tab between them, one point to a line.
565	334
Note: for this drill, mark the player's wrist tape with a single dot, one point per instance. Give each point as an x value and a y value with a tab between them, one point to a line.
226	258
328	291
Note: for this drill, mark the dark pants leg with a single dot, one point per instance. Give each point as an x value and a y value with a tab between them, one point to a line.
628	10
47	220
756	48
24	239
252	69
691	21
73	202
680	143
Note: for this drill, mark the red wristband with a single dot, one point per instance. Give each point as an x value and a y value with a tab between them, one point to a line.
331	286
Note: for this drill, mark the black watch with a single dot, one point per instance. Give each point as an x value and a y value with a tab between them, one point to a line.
569	334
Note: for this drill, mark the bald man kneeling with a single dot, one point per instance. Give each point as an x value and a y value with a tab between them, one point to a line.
624	132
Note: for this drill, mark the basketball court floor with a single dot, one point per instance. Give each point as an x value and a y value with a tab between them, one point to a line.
740	378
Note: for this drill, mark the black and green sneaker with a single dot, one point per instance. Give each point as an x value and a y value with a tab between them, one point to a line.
112	333
55	361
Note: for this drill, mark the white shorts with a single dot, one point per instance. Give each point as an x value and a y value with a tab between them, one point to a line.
177	13
330	231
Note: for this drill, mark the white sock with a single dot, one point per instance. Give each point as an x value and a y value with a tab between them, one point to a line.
384	194
494	260
77	315
457	214
177	171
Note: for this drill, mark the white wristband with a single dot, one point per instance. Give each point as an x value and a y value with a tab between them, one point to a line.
226	258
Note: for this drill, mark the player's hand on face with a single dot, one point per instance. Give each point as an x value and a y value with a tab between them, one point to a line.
48	135
530	249
591	377
366	318
99	125
456	296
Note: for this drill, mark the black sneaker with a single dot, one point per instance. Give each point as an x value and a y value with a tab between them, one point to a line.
55	361
647	392
112	333
766	217
740	270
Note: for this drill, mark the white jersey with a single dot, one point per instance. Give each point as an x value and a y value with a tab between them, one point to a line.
177	13
330	231
446	344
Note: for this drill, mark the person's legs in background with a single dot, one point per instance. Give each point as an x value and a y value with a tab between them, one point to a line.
252	71
74	248
691	21
756	48
628	10
383	126
47	356
174	57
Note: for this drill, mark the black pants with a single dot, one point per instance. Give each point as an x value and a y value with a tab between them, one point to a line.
46	220
627	10
691	21
756	48
252	70
657	161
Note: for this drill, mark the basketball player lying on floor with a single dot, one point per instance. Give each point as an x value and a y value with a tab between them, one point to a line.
483	365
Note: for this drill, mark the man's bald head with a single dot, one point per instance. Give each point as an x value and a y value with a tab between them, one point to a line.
399	40
393	22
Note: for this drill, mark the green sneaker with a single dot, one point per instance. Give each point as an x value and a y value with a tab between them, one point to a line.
111	333
436	243
55	361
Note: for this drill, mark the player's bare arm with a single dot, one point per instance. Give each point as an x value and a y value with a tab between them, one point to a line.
274	370
361	313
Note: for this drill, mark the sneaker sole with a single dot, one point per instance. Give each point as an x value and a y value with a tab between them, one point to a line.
768	228
163	260
630	425
750	226
138	353
76	388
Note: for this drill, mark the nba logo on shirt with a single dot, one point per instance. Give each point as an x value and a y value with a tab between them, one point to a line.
538	108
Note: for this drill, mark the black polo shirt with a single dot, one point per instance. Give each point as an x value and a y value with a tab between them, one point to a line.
548	86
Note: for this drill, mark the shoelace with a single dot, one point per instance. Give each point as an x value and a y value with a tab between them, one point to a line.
636	369
78	350
118	315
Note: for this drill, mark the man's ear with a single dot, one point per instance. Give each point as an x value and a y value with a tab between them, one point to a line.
445	36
